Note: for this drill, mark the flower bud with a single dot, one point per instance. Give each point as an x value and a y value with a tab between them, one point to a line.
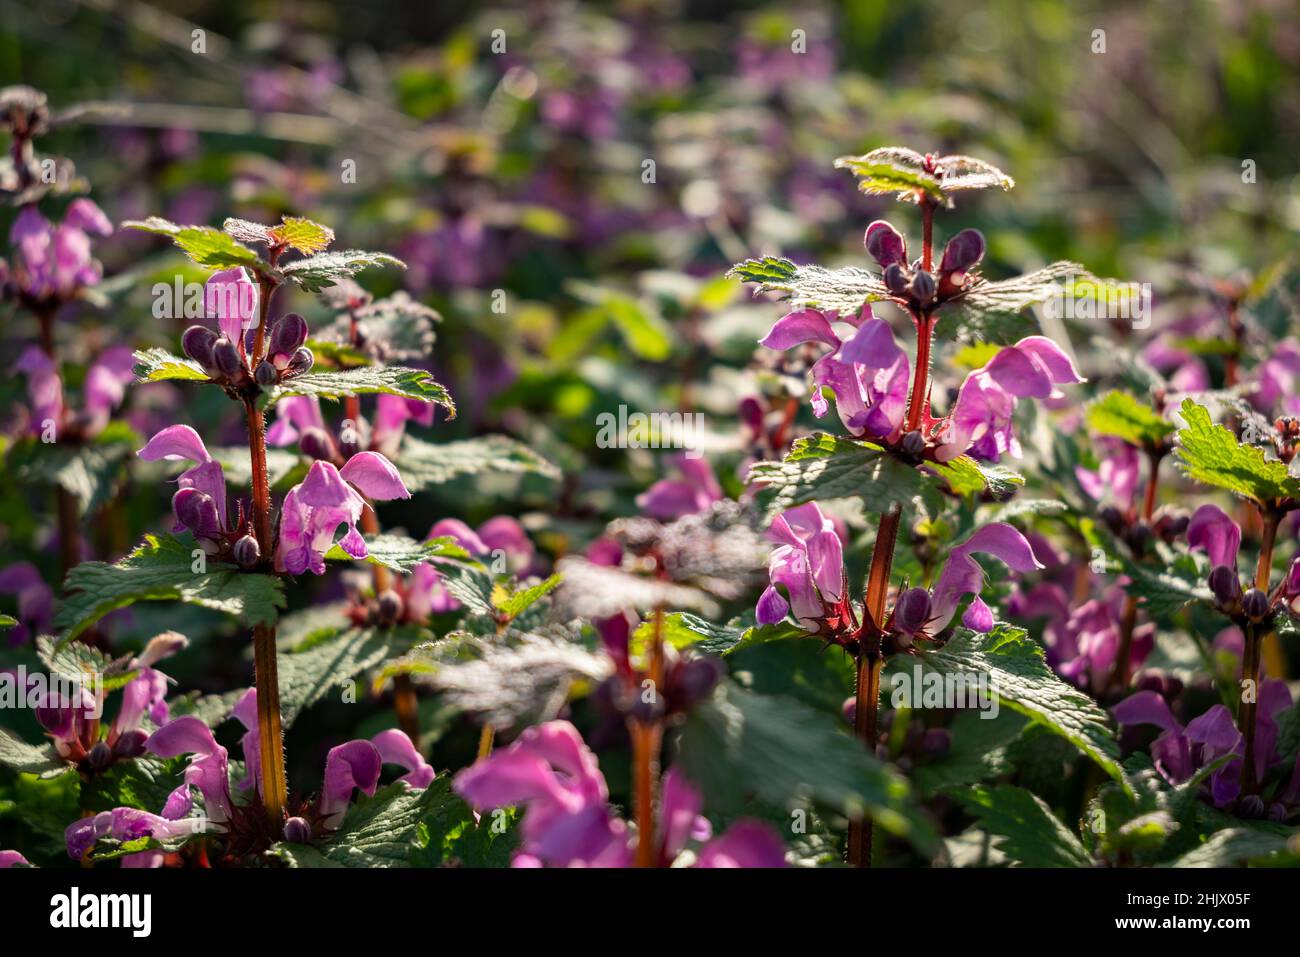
1251	806
914	442
1223	582
1112	517
1255	605
1277	812
247	552
391	606
197	511
923	287
895	279
266	375
885	244
1171	523
302	361
288	333
963	251
911	611
100	756
850	709
316	443
936	741
130	745
692	681
197	343
297	831
226	357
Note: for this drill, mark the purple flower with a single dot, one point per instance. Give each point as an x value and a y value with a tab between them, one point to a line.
1276	379
295	415
391	415
105	388
568	821
921	613
129	824
35	612
208	769
12	859
809	562
1116	479
1211	529
55	261
200	505
747	843
44	388
1179	750
425	592
356	765
868	373
981	419
325	499
232	297
672	498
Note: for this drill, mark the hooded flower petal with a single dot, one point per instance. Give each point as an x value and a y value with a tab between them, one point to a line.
232	297
294	415
375	476
395	747
796	328
1212	530
353	765
208	769
963	576
745	844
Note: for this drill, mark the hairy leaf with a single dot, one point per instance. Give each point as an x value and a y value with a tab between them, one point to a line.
1212	455
390	380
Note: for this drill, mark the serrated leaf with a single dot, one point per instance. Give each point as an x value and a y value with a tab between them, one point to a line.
512	605
1121	416
1020	292
823	466
17	755
1026	829
400	553
1241	845
1163	590
842	291
1211	454
739	745
878	174
77	660
305	236
206	246
978	751
314	273
160	569
368	380
1022	680
158	365
967	477
896	169
379	831
330	665
684	630
423	464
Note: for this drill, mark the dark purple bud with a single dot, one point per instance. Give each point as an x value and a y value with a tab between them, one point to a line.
693	680
391	606
1151	681
197	511
316	443
896	279
1251	806
923	287
1223	582
1277	812
911	611
197	342
56	715
247	552
226	357
936	741
288	333
850	709
100	756
1255	605
131	744
751	414
914	442
302	361
963	251
1112	517
297	831
266	375
885	244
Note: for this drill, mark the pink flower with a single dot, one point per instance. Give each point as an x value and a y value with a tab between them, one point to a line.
1116	479
35	611
671	498
200	505
325	499
391	415
809	563
981	418
55	261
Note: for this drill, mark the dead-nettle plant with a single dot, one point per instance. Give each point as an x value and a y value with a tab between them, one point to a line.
241	549
899	455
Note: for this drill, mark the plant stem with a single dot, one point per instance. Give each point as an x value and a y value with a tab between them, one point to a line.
646	740
270	732
927	233
867	704
485	739
1128	618
1250	656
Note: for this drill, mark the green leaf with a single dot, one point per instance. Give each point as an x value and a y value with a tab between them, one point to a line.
1162	590
315	273
813	287
1211	454
1121	416
301	234
160	569
893	169
684	630
17	755
90	472
157	365
822	466
423	464
1241	845
331	664
511	605
1020	292
977	753
8	621
739	745
401	554
376	832
389	380
449	836
77	660
1026	829
206	246
1023	682
879	175
968	477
